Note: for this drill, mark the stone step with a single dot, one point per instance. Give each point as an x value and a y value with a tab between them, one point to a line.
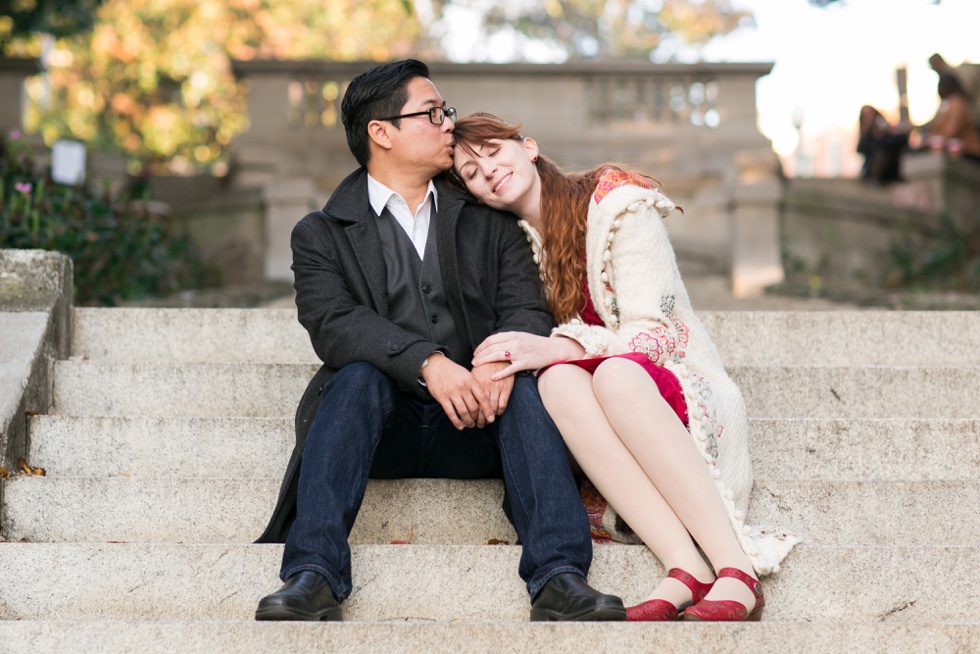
790	337
190	335
219	636
89	388
69	446
820	584
441	511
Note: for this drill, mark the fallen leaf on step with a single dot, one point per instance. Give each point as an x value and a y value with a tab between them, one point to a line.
497	541
411	532
28	470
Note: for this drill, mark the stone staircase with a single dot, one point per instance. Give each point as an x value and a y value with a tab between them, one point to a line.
171	428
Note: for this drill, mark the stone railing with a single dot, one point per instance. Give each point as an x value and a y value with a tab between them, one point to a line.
693	126
581	112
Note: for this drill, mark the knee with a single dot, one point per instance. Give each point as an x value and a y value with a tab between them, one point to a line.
553	381
359	380
612	373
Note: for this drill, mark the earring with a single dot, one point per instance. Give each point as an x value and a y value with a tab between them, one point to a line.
534	159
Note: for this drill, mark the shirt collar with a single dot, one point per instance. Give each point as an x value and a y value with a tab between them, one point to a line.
380	195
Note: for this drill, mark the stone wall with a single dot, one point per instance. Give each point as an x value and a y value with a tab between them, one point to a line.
35	329
841	232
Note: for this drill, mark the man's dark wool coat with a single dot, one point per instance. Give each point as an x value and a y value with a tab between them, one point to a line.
491	283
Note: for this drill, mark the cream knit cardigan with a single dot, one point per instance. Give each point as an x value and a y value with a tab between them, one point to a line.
637	290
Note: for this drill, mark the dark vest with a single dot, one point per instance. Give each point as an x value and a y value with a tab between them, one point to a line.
416	293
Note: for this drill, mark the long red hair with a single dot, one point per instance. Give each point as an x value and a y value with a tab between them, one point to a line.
564	212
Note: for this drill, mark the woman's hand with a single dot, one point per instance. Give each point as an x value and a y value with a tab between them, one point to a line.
525	352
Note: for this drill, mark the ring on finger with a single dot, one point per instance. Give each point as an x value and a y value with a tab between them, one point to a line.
506	354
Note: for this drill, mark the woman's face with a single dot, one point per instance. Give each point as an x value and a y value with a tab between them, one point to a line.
501	173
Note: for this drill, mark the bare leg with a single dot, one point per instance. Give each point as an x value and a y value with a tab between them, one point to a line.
567	393
665	450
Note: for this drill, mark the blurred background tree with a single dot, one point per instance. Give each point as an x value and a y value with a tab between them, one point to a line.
24	20
601	29
152	78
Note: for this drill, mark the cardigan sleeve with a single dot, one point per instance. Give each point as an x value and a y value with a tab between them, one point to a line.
641	271
597	341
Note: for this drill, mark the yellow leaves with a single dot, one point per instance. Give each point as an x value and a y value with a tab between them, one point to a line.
157	75
3	473
23	469
697	23
554	9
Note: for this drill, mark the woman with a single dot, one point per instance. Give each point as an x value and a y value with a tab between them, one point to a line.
630	375
882	145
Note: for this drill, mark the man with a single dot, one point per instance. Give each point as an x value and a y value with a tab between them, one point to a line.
968	76
397	279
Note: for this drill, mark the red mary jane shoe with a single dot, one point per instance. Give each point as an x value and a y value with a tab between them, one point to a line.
659	610
728	610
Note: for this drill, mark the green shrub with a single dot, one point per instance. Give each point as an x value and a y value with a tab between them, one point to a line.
949	261
121	250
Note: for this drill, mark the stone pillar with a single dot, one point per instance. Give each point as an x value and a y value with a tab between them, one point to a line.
13	74
286	202
259	152
756	256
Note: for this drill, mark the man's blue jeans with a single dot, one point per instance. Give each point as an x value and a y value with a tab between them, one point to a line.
367	426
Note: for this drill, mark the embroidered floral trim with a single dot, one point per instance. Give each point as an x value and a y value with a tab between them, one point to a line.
649	345
613	179
711	429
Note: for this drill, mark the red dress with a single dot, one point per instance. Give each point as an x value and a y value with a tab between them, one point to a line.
665	380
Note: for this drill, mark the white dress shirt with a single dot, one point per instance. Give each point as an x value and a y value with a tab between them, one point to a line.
417	226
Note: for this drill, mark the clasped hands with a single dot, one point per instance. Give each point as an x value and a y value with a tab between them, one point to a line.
474	398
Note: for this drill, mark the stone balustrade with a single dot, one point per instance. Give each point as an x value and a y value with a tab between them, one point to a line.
691	125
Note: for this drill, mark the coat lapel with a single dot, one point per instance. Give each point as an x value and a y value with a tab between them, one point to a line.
350	206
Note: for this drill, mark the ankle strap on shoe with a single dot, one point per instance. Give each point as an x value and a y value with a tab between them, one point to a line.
689	580
748	580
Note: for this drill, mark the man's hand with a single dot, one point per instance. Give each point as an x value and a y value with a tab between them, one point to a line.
459	393
497	390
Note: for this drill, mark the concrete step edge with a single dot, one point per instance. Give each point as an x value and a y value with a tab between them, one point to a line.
87	388
207	636
790	336
468	583
202	447
443	511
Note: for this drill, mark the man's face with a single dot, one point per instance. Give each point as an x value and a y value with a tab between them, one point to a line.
416	141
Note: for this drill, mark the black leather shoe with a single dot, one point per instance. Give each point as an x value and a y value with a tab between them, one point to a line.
306	595
567	596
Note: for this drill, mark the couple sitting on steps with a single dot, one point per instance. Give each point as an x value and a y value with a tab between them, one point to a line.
444	357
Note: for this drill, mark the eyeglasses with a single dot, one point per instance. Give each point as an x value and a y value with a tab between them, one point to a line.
437	115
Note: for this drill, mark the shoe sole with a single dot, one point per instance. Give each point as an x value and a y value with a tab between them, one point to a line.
332	614
608	614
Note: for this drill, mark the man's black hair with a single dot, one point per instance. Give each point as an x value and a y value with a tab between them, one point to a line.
376	93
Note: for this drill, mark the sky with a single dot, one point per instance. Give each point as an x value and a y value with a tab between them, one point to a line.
827	61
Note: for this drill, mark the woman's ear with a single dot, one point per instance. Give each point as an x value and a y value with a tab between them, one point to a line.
532	148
